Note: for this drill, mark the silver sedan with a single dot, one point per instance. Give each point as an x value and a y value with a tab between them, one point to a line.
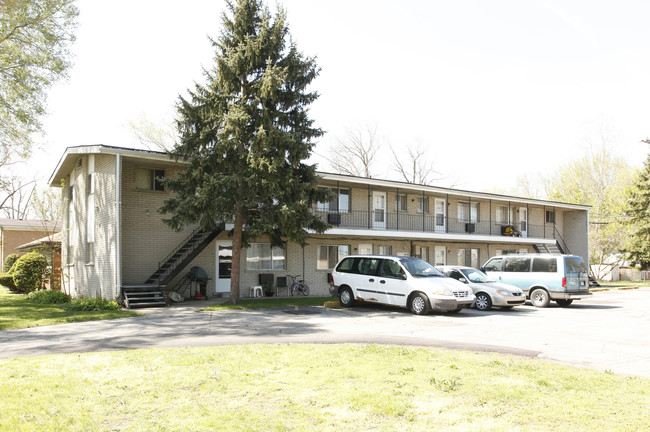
488	293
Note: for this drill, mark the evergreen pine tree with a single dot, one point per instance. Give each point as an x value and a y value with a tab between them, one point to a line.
637	248
245	135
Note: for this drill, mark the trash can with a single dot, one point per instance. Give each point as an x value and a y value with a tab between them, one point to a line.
201	278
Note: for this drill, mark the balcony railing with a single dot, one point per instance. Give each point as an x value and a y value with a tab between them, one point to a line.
427	222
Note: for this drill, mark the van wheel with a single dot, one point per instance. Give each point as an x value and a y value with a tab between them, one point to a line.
564	302
539	298
419	304
346	297
483	302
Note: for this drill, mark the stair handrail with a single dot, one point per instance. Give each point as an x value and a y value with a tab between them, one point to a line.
193	234
563	247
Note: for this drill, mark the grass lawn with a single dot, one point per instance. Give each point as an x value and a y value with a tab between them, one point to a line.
623	284
313	388
17	312
271	302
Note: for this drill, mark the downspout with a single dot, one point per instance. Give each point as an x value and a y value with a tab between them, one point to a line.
118	224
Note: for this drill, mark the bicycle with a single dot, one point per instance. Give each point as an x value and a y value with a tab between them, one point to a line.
298	287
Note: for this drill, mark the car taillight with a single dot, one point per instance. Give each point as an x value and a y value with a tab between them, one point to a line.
563	282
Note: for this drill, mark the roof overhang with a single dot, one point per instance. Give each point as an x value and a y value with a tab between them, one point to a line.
416	188
72	154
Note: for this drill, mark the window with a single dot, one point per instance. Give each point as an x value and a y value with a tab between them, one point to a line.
516	264
385	250
400	203
506	252
502	215
545	265
423	205
468	257
468	212
424	253
368	266
261	256
340	204
149	179
550	216
365	249
391	269
493	265
440	256
328	256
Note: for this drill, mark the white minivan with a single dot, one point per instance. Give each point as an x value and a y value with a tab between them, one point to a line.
543	277
399	281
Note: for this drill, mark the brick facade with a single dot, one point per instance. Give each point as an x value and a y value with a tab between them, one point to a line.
145	240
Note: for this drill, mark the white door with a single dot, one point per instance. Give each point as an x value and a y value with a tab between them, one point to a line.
365	249
441	213
441	256
523	221
379	210
224	267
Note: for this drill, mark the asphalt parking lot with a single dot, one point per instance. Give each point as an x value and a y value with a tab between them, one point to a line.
609	331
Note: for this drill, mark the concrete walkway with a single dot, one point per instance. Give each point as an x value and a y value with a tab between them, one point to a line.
610	331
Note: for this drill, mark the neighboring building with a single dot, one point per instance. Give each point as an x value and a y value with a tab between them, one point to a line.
114	236
14	233
50	247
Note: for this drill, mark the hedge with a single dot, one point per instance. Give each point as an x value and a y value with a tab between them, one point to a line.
28	272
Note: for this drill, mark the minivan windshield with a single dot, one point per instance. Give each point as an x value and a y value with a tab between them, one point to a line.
421	268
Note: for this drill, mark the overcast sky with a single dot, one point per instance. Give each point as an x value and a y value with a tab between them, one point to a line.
492	89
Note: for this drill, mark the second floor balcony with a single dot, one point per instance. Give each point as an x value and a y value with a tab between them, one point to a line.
430	223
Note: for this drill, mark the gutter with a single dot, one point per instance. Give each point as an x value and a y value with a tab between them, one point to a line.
118	224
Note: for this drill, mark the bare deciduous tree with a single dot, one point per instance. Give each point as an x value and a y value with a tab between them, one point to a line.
154	136
355	153
413	165
15	196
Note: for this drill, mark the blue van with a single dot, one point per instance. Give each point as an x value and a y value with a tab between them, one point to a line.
543	277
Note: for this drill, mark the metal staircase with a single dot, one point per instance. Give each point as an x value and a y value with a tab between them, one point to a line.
182	255
559	247
150	293
547	248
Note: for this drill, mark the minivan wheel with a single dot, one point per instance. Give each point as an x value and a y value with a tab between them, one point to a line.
539	298
419	304
346	297
483	302
564	302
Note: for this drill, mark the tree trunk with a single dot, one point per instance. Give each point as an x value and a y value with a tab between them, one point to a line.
236	253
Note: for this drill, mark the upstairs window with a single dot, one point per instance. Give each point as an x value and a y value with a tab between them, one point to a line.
340	202
550	216
423	204
149	179
400	202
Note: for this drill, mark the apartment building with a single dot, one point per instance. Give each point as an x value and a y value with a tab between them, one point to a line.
113	235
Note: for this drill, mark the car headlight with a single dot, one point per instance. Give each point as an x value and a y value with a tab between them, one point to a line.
504	292
442	291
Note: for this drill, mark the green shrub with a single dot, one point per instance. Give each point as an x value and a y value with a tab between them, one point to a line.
9	261
7	280
96	304
28	272
48	297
